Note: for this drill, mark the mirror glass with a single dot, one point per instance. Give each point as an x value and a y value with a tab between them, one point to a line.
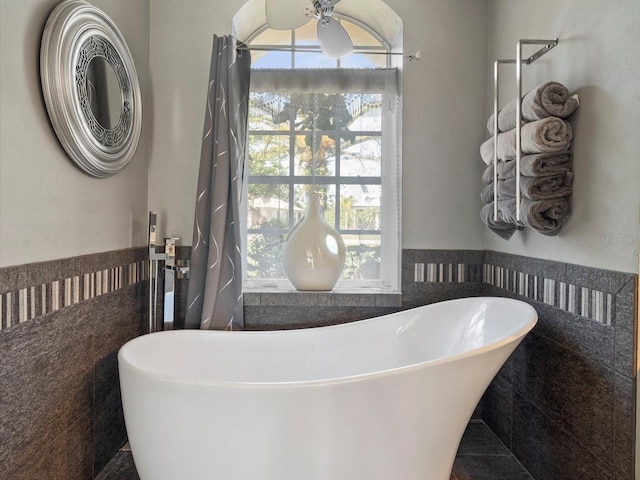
103	93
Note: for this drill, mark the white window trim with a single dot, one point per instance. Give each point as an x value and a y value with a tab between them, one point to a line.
384	81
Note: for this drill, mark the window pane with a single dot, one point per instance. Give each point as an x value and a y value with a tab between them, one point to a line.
314	155
268	207
361	157
268	155
362	38
264	255
318	111
328	201
360	207
362	60
269	111
272	59
272	37
307	34
363	257
267	59
313	60
365	111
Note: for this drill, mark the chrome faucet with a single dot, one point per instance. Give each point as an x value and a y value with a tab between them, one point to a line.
169	283
170	251
170	271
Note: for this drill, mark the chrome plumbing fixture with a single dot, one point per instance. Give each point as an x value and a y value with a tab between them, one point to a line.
168	257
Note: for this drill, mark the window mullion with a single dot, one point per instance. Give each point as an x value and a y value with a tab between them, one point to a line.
292	160
338	142
293	48
308	180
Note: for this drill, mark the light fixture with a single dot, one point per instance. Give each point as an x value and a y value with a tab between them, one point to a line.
290	14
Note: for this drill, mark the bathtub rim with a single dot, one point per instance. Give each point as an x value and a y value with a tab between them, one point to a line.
517	335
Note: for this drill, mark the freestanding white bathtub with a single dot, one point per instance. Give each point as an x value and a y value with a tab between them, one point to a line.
380	399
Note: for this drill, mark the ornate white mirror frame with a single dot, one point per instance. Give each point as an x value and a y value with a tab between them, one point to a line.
76	33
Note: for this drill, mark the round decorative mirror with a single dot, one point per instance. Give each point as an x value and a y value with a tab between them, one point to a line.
90	88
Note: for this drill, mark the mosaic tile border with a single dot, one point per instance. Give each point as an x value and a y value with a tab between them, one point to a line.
19	306
587	302
591	303
441	272
24	304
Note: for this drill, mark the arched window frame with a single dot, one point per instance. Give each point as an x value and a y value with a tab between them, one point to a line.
390	250
293	47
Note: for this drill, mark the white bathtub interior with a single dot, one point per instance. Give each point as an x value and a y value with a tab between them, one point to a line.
373	346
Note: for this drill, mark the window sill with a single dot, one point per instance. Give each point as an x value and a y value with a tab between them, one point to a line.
339	297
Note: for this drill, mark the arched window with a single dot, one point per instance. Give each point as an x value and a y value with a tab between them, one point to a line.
329	126
300	48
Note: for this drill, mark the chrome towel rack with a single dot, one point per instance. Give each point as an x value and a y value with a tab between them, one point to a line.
547	45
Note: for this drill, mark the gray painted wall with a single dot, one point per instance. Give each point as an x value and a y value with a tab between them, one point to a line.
443	122
597	57
443	114
49	209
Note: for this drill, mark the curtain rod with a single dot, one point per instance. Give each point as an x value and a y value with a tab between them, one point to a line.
410	56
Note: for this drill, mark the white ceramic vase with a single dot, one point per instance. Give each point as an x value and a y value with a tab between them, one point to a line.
313	254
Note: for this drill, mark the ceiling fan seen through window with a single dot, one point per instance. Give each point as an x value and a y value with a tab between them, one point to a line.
290	14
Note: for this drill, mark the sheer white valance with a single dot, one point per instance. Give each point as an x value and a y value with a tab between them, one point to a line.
320	80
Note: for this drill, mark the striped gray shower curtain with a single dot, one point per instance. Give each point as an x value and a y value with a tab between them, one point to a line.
215	284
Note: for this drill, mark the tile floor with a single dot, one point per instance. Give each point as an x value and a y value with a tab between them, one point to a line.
481	456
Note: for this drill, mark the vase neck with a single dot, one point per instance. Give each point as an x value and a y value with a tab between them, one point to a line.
313	205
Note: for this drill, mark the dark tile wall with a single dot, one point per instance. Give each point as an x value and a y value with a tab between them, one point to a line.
278	311
481	456
60	410
565	401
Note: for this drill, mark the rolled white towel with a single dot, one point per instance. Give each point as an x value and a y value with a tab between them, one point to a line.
550	134
551	99
532	165
544	216
533	188
499	227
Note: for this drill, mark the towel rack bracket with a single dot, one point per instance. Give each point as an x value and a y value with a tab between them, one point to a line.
547	45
